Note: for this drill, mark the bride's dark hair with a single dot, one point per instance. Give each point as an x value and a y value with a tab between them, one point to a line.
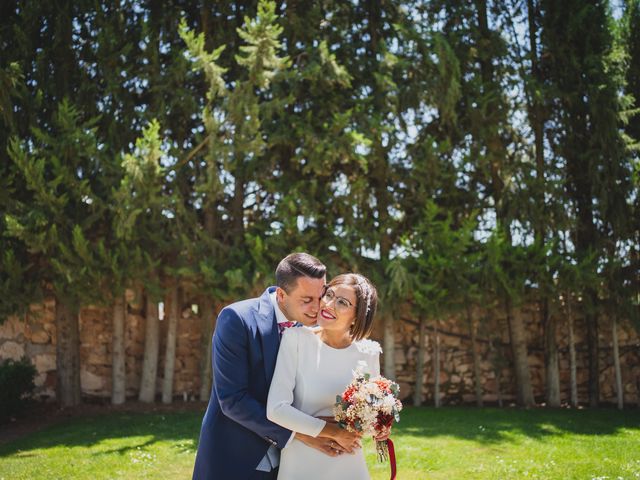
366	302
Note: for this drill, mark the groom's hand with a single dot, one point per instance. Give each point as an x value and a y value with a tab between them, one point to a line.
324	444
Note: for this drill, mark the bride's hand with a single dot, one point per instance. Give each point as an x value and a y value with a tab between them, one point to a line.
347	440
323	444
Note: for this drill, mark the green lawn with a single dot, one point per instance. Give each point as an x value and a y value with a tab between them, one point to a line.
448	443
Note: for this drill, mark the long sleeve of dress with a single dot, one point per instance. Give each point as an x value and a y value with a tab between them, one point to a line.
280	407
376	364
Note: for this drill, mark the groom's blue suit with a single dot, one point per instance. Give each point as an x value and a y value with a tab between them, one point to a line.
235	433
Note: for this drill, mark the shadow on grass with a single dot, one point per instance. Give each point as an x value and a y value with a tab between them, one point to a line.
123	450
132	431
493	425
137	431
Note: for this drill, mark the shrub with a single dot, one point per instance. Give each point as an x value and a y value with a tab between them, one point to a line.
16	384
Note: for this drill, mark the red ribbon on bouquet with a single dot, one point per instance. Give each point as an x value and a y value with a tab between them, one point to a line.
392	458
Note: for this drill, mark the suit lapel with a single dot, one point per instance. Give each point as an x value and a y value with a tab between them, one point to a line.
265	316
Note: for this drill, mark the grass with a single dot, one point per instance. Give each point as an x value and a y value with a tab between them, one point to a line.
466	443
447	443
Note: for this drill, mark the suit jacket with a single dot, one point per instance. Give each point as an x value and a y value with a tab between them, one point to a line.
235	432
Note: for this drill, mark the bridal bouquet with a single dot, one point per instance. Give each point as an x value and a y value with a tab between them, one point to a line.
369	405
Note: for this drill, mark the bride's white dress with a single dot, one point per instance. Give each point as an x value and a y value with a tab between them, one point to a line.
308	376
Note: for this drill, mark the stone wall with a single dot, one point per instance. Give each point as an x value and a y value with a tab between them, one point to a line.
34	336
498	378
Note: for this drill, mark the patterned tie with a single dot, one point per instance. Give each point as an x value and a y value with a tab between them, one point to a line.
284	325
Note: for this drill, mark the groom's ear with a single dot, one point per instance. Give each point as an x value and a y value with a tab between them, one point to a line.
280	294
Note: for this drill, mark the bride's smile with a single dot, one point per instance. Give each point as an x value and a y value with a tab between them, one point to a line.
327	315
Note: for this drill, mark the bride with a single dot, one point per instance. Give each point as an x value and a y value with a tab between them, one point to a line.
315	365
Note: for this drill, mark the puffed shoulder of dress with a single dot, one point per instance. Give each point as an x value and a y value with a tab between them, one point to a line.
370	347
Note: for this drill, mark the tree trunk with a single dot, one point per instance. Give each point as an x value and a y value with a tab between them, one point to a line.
536	116
572	356
616	363
497	368
151	346
118	372
170	352
535	106
380	172
436	367
552	374
594	353
417	394
68	389
63	67
476	358
207	317
586	240
237	205
207	320
389	348
517	336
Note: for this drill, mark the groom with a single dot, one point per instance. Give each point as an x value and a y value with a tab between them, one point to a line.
237	442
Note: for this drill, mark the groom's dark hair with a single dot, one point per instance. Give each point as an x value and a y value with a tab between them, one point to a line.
298	265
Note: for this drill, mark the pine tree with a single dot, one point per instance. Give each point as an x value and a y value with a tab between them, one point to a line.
141	213
233	164
439	251
631	40
583	70
60	223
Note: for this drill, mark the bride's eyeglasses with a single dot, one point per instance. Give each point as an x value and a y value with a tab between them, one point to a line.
328	295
